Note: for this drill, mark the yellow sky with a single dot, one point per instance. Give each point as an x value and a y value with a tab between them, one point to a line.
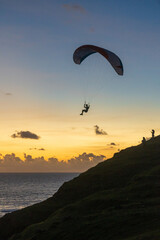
64	137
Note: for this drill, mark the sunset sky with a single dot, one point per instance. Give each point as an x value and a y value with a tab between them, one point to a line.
42	91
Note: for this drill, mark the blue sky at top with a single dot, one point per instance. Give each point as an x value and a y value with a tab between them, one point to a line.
37	41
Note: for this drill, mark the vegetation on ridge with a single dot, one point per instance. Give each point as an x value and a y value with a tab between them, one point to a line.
117	199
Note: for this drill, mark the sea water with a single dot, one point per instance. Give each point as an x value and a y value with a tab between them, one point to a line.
19	190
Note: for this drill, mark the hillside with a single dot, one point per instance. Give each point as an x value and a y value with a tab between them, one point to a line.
117	199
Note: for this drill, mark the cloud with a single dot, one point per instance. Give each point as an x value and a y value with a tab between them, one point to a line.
5	93
11	163
25	134
99	131
92	29
74	8
113	144
39	149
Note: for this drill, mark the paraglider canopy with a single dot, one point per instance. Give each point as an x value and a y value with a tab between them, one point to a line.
84	51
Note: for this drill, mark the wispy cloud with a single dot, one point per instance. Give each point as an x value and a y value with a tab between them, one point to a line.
8	94
11	163
99	131
5	93
25	134
74	8
39	149
113	144
92	29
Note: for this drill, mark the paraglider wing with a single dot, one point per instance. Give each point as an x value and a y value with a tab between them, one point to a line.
84	51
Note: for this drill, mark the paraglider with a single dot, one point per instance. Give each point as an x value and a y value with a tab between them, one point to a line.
82	52
86	108
86	50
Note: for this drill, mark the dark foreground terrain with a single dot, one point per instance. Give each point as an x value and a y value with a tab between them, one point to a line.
117	199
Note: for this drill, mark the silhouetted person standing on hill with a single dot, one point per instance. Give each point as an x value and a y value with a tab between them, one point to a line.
144	141
153	132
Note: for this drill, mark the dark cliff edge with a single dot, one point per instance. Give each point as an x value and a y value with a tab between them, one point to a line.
117	199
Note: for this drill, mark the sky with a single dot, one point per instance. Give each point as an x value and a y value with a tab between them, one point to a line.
42	91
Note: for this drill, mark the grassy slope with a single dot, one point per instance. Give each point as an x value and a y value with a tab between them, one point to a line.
117	199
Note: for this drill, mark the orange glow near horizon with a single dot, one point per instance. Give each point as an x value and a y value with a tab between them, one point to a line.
65	145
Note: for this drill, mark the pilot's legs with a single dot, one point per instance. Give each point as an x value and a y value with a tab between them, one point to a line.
82	112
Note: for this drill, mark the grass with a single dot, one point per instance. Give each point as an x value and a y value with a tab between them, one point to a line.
118	199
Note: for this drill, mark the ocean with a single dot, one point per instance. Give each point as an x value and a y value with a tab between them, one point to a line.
19	190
